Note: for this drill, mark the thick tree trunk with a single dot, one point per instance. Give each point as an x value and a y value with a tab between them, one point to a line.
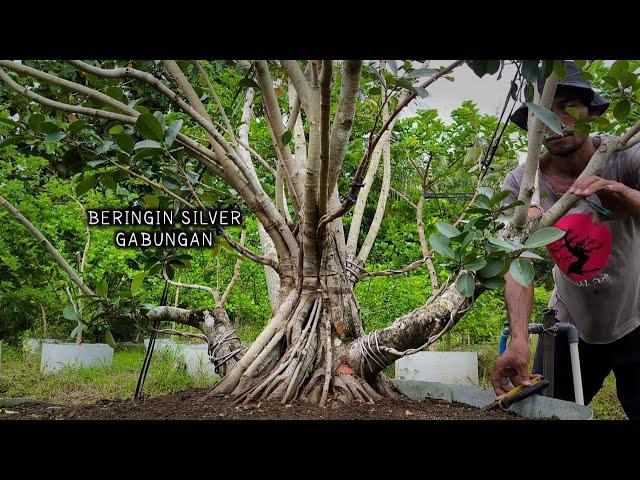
314	349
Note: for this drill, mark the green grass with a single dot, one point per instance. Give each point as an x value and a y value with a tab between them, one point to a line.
22	378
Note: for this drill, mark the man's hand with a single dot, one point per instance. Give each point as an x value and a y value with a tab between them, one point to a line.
623	201
512	364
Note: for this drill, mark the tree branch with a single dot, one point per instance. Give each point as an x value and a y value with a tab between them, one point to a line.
372	234
47	246
153	184
212	90
362	168
250	255
274	118
296	75
536	129
387	273
325	111
236	271
343	119
191	286
94	112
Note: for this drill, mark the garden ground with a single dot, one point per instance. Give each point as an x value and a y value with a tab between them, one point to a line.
170	393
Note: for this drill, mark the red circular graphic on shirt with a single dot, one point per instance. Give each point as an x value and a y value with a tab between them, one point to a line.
585	248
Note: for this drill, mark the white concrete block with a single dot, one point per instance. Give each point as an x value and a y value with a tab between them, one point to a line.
196	358
165	345
32	346
454	368
57	356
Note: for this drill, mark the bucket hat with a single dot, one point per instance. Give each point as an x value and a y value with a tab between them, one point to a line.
597	105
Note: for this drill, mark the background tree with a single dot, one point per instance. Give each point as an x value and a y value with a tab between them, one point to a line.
152	122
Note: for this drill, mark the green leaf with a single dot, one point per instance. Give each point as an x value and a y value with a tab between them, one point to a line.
465	285
573	112
467	240
116	129
543	237
77	125
69	313
373	91
35	120
49	127
125	142
117	93
72	159
287	137
494	267
513	91
441	245
102	288
104	148
560	69
512	205
618	67
422	72
160	117
479	67
522	271
587	76
137	282
484	211
547	68
531	255
155	268
447	229
546	116
151	201
80	327
528	92
108	182
530	69
248	83
498	197
85	185
172	132
483	201
9	122
611	80
54	137
622	110
12	141
422	93
471	155
507	245
151	144
493	283
405	83
493	66
149	127
627	79
475	265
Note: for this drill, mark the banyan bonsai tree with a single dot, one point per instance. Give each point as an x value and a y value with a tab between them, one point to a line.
149	119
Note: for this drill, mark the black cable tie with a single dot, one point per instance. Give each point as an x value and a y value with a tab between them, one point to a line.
358	184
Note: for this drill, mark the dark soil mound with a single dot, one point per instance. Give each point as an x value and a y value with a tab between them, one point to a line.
191	405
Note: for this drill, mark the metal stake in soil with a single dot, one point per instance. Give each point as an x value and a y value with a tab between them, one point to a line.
152	342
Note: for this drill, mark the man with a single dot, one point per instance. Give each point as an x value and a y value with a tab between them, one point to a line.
603	303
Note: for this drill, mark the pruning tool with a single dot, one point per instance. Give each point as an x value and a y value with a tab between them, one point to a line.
605	212
518	393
